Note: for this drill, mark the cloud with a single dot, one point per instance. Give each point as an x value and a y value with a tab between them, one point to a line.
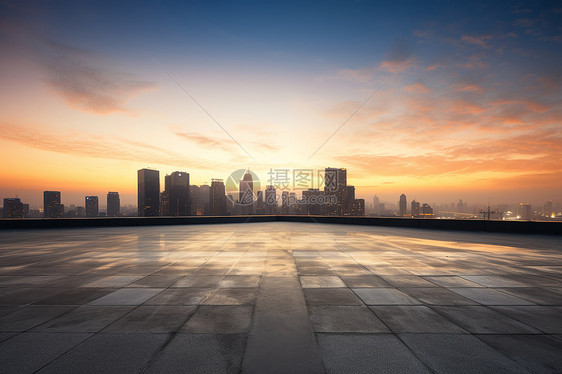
477	40
89	145
223	143
417	87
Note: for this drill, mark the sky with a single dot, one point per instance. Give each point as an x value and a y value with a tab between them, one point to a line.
438	100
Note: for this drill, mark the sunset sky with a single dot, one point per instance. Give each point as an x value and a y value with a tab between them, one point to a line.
464	100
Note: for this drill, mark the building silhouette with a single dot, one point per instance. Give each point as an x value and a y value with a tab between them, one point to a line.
92	206
314	199
335	183
270	200
246	194
179	204
416	209
113	204
199	198
525	212
426	211
148	192
13	208
52	207
217	198
402	206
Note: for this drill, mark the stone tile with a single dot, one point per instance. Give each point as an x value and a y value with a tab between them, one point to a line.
113	281
493	281
544	318
345	319
156	281
407	281
370	353
29	352
76	296
127	296
219	320
538	353
384	296
201	353
330	296
321	282
239	281
489	296
452	353
438	296
535	295
452	281
364	281
30	316
152	319
231	296
180	296
415	319
199	281
483	320
86	318
25	296
109	353
26	281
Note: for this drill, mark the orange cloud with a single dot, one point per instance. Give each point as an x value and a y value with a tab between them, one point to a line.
417	87
477	40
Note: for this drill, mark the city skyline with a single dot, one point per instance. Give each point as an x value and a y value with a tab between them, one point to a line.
441	101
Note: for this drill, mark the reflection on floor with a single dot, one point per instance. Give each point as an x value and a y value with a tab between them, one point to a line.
279	297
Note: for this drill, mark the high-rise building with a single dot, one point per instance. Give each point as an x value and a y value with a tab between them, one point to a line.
148	192
349	206
217	198
165	197
402	206
13	208
426	211
199	198
270	200
285	202
335	182
314	199
415	209
180	204
548	210
92	206
52	207
246	194
113	204
525	212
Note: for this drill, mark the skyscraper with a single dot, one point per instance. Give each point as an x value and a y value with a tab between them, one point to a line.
148	192
179	194
92	206
403	204
52	208
270	200
217	198
349	201
13	208
335	182
113	204
416	210
246	194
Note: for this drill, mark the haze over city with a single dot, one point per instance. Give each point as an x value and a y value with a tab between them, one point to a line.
438	101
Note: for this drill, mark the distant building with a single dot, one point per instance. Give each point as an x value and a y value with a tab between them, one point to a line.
285	202
246	194
335	183
13	208
148	192
199	198
525	212
113	204
426	211
180	204
349	197
52	207
92	206
270	200
314	199
416	209
165	196
402	206
217	198
548	210
358	207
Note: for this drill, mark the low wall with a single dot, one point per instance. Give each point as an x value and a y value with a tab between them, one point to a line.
521	227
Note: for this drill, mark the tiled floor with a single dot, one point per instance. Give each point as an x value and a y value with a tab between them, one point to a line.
279	297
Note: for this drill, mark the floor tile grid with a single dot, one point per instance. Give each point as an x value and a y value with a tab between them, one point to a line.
342	248
171	335
221	249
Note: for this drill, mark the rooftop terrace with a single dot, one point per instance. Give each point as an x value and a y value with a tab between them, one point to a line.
279	297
